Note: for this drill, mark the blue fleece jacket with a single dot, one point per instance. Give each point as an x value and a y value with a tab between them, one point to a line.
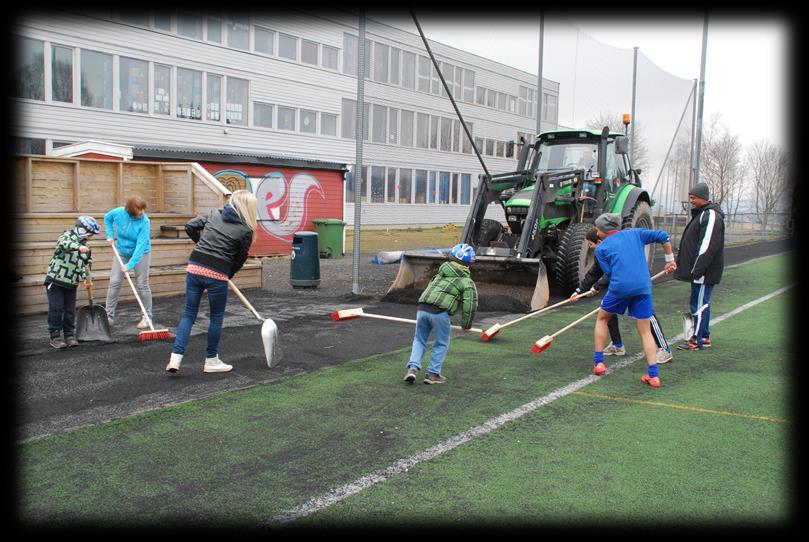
133	234
622	259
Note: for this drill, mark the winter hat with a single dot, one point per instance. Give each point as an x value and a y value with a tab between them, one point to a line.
608	222
701	191
86	225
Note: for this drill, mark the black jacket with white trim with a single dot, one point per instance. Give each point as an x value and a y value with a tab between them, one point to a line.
700	257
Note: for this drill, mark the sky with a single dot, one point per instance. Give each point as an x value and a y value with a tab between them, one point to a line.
746	70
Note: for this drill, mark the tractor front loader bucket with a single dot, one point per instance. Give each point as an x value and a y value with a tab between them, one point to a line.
524	280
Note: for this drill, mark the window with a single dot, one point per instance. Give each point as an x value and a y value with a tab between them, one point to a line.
96	79
424	74
431	188
367	59
491	98
449	76
263	40
377	184
446	134
465	192
489	147
27	145
531	102
62	74
408	70
390	189
479	144
348	115
329	59
421	186
213	29
365	120
214	96
262	115
469	86
189	25
481	96
404	186
364	185
467	144
393	128
238	28
328	124
453	191
350	184
162	21
134	85
443	187
501	101
29	72
380	124
286	118
350	53
236	102
549	108
309	52
162	90
407	128
436	81
381	53
512	104
456	136
308	121
457	91
521	101
422	130
501	148
434	122
189	94
288	46
394	65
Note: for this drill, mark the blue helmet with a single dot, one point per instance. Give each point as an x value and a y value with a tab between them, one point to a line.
86	225
463	253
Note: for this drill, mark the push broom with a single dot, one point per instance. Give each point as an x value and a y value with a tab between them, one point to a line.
545	342
489	334
351	314
150	334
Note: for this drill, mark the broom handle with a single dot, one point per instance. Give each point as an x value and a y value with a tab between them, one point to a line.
244	300
540	311
408	321
134	291
589	314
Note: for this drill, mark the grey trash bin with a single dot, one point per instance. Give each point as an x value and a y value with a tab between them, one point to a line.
305	267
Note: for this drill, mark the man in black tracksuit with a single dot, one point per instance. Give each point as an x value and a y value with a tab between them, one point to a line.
594	279
700	261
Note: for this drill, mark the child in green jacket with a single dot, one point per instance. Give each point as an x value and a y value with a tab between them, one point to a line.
69	265
451	287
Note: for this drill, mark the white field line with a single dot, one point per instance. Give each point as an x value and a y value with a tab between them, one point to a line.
341	493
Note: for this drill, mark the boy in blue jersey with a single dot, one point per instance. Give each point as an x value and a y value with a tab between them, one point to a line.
621	256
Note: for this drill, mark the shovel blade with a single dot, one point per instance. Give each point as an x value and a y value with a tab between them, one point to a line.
272	348
92	324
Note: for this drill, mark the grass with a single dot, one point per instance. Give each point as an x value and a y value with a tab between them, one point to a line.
243	457
373	241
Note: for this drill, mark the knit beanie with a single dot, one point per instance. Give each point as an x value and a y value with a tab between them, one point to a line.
701	191
608	222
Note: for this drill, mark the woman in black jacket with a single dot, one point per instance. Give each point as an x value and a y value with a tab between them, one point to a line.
223	239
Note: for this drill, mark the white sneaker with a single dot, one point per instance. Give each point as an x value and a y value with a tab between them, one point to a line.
663	356
612	350
215	365
144	323
174	363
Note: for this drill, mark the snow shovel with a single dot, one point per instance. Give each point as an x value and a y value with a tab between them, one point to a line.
269	331
350	314
489	334
91	321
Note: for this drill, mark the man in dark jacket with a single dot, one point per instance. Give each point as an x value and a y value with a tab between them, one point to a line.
700	261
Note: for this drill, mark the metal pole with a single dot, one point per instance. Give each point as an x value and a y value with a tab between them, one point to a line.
360	124
632	119
693	134
539	70
698	143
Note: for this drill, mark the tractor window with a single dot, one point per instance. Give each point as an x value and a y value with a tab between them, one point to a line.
563	156
616	171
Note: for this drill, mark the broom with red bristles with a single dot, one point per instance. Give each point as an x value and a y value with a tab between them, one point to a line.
150	334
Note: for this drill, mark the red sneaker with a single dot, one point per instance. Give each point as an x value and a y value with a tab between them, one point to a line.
653	381
690	344
600	369
706	343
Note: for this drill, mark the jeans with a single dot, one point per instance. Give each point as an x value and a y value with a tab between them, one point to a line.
61	309
701	310
217	299
426	322
141	280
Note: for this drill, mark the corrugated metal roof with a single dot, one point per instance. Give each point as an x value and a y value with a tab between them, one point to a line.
204	155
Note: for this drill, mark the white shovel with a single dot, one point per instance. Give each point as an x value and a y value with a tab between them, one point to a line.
269	331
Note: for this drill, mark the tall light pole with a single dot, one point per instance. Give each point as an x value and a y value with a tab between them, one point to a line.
539	71
632	118
698	143
357	173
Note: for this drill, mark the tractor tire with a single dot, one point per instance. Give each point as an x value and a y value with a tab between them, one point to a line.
490	230
573	258
641	217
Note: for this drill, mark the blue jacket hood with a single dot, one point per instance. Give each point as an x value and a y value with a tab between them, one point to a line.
229	214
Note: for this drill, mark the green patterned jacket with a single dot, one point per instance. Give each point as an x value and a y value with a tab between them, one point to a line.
450	288
68	266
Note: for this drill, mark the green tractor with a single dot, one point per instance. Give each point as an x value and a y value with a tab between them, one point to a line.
563	182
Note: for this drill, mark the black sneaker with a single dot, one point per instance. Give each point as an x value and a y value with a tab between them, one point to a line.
410	376
71	340
57	342
432	378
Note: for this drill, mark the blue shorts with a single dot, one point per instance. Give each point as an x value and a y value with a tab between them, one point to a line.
640	306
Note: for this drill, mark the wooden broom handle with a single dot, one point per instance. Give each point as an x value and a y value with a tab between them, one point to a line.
244	300
408	321
540	311
134	291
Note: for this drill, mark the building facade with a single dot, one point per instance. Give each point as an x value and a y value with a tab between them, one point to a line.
280	84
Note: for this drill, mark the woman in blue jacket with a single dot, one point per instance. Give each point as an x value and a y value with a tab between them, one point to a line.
131	224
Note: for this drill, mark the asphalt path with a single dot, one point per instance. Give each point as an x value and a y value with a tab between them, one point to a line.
56	391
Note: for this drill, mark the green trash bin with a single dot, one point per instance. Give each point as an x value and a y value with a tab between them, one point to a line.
330	237
305	267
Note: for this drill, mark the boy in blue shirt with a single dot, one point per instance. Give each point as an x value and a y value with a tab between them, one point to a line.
621	256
